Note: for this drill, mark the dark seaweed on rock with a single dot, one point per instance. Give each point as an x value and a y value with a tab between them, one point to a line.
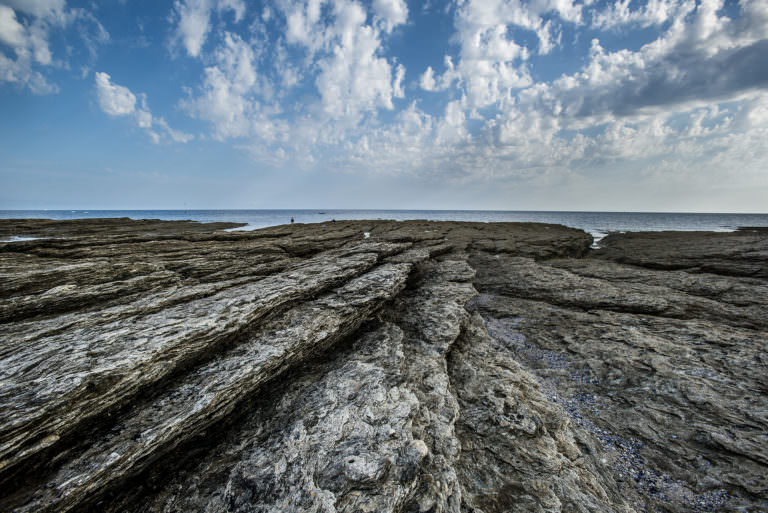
354	366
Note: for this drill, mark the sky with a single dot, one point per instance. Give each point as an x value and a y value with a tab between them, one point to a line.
632	105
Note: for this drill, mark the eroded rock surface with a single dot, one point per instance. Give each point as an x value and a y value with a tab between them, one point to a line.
413	366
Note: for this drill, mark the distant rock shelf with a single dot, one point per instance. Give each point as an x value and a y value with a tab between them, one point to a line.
381	366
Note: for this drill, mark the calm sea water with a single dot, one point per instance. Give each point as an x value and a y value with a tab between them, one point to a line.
596	223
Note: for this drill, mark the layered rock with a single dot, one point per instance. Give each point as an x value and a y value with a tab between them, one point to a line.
740	253
380	366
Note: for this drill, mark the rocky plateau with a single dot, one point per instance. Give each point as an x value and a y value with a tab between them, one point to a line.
381	366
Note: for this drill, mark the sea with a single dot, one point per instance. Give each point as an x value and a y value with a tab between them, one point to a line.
599	224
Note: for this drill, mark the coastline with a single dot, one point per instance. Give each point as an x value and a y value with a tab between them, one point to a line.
430	362
596	223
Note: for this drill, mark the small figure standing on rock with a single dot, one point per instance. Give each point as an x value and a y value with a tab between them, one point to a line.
291	220
333	220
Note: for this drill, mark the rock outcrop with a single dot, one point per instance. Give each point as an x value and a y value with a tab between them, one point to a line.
413	366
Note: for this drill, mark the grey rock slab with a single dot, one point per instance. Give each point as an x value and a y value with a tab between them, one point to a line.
370	430
740	253
28	331
48	387
525	278
27	274
738	291
519	452
335	437
212	392
71	297
676	402
432	315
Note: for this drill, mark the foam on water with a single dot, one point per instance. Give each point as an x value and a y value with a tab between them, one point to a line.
597	236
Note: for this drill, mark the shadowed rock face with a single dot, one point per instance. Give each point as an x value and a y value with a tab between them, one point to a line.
155	366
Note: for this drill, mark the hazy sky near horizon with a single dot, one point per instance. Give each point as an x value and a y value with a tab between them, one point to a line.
468	104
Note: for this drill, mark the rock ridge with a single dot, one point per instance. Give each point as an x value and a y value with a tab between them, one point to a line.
414	366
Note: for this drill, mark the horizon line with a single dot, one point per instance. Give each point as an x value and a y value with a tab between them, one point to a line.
324	210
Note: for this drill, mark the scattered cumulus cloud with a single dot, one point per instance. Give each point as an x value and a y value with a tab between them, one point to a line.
118	101
658	101
391	12
114	99
227	96
48	9
703	57
12	33
655	86
331	50
627	12
194	20
25	31
354	79
29	49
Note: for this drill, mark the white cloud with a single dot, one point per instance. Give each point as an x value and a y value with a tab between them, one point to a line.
398	89
143	118
427	80
303	24
753	23
354	79
47	9
623	106
32	37
710	58
28	39
451	129
653	12
241	90
29	44
227	98
175	135
118	101
194	24
12	32
20	71
391	12
478	16
194	20
491	64
114	99
660	104
633	108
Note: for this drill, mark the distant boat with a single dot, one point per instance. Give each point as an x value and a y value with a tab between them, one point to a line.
321	212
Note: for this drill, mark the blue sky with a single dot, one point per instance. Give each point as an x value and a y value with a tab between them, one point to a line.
658	105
